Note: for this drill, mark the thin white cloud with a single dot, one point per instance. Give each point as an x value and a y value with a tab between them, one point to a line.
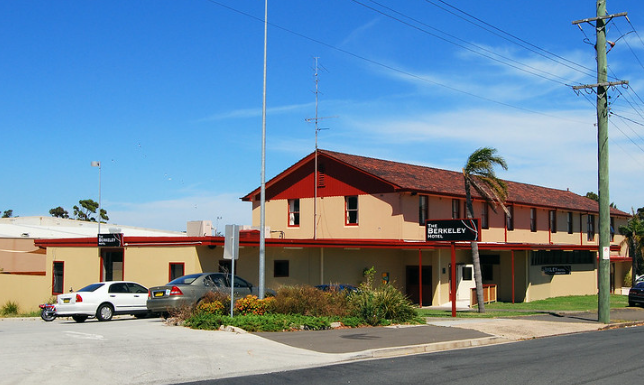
357	33
255	112
174	214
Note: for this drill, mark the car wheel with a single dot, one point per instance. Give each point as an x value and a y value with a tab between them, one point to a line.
79	318
631	304
142	315
104	312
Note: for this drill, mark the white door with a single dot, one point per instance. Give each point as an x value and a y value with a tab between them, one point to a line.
464	282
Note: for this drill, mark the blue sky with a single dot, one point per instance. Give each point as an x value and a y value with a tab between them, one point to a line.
168	96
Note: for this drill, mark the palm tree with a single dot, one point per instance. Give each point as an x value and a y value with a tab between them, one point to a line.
633	233
479	174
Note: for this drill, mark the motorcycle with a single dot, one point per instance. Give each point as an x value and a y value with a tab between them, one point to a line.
48	312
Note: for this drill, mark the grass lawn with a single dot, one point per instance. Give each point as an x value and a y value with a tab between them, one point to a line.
578	303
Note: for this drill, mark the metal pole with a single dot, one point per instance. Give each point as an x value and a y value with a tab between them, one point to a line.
453	249
420	278
262	221
602	144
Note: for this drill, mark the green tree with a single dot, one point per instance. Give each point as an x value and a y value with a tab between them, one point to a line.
633	233
595	197
479	174
7	214
59	212
87	211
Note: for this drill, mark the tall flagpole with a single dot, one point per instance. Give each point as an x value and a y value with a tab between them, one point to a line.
262	220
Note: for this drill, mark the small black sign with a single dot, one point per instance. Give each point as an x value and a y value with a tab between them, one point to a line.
452	230
556	270
111	239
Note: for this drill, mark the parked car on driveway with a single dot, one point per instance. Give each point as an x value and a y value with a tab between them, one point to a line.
103	300
636	294
190	289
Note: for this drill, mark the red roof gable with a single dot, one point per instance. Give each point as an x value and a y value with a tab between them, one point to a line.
428	180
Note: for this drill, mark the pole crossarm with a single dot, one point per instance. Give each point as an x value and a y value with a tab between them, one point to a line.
591	19
603	84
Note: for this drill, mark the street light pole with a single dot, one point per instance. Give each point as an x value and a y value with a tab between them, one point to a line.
98	164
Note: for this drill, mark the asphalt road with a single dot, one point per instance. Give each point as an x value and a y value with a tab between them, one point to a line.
605	357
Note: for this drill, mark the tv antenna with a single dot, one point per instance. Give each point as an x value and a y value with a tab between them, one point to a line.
316	120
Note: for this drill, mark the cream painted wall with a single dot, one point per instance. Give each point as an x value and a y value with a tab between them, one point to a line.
28	291
582	281
395	216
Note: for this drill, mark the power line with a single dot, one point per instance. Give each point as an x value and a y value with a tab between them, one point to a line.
462	43
391	68
525	44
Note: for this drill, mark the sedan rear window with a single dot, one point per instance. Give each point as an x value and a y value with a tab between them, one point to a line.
92	287
639	285
185	280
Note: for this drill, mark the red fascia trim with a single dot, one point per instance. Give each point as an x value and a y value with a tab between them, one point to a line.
42	273
313	243
129	241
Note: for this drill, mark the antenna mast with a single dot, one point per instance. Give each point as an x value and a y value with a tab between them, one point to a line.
315	175
317	129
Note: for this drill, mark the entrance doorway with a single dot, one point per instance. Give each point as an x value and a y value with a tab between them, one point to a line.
112	265
464	282
414	287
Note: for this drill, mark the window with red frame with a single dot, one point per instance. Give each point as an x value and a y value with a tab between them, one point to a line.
58	276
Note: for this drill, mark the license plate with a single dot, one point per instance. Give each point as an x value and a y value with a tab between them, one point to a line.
158	294
65	300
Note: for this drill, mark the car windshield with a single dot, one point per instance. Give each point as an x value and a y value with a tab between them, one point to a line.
639	285
92	287
185	280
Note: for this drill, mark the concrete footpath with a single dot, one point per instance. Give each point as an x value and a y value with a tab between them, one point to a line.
149	351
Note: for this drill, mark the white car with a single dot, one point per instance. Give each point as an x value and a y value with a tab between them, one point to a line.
103	300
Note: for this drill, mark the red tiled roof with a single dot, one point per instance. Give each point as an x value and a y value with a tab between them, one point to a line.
430	180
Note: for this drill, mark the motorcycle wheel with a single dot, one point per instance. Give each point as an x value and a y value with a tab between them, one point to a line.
47	316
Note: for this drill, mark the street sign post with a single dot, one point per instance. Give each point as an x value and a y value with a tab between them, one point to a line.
231	251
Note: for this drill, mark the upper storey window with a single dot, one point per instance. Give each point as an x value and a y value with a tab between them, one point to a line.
294	212
591	227
351	204
509	219
456	209
423	209
485	216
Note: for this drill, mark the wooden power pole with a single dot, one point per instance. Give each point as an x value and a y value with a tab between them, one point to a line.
602	87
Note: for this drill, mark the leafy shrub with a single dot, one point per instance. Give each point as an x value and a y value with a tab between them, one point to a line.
214	302
382	306
253	305
309	301
10	308
215	307
256	323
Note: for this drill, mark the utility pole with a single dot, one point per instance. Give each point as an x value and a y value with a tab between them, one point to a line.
602	87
